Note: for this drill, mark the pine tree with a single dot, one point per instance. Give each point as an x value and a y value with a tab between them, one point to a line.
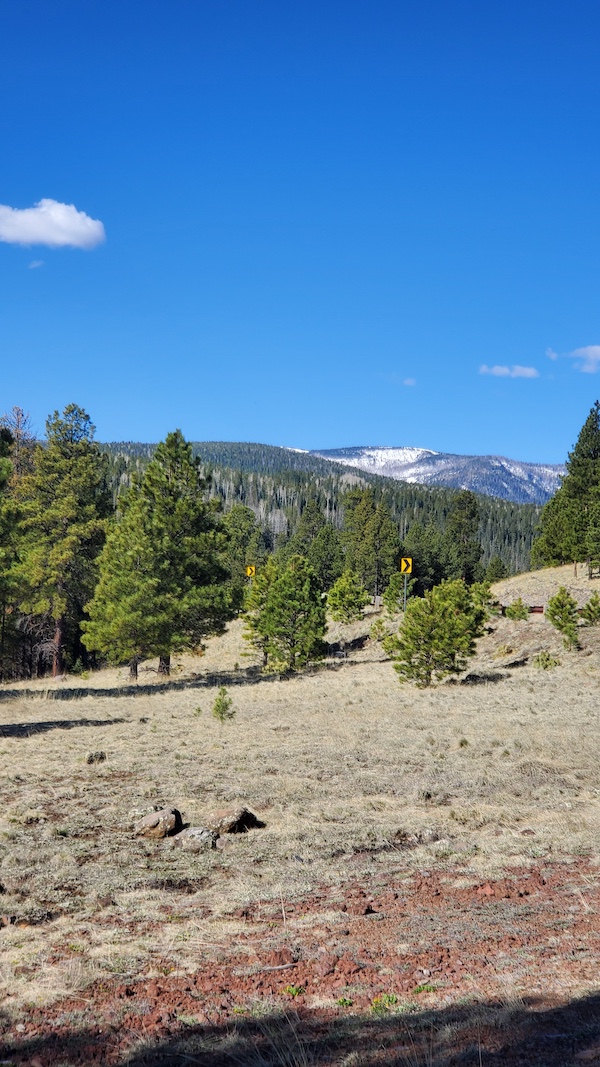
495	570
292	618
255	602
347	598
568	527
591	611
425	545
171	544
438	634
325	555
462	547
561	611
9	542
393	598
65	503
372	540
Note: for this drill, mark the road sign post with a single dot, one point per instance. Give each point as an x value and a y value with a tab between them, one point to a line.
406	569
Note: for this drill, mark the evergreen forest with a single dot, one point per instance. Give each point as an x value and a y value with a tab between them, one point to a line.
113	553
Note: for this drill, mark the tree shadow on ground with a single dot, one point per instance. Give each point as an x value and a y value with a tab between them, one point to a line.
27	729
477	1034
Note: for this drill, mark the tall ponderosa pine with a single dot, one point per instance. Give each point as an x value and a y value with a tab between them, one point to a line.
462	547
372	540
65	504
569	523
9	537
165	564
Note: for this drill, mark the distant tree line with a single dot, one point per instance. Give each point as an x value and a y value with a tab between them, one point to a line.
114	557
277	483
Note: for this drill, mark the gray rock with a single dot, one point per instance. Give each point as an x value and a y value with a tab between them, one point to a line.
196	839
159	824
232	821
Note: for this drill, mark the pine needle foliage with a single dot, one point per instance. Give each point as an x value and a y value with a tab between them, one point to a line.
286	615
437	635
591	611
162	585
347	598
222	708
562	613
65	505
517	611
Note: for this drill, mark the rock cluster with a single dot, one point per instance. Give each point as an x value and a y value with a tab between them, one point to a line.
168	823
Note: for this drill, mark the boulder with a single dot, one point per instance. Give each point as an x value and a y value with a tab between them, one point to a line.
196	839
159	824
232	821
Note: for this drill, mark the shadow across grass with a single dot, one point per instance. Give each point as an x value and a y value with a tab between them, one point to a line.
494	1034
28	729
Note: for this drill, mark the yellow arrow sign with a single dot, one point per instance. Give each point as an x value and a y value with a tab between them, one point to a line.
406	565
251	571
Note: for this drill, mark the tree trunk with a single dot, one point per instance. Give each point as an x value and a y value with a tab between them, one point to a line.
164	665
133	669
58	659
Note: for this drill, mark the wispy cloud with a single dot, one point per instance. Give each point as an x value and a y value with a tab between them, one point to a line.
589	356
35	263
516	371
50	223
409	381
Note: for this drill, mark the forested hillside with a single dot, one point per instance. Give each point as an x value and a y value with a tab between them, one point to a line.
276	484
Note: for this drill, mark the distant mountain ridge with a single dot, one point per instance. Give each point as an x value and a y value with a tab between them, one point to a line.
508	479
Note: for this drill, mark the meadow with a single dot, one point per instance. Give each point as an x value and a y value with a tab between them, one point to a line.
357	778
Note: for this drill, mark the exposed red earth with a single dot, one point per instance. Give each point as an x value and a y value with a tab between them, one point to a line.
422	971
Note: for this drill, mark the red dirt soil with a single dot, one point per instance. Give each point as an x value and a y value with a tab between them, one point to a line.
418	972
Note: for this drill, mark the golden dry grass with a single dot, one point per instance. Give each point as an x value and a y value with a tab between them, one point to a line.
345	765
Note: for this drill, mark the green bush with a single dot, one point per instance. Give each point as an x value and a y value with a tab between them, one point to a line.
517	610
545	661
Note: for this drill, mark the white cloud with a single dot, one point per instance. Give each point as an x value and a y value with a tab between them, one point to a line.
590	356
516	371
409	381
35	263
50	223
551	353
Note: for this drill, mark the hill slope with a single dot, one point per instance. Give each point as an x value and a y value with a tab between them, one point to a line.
508	479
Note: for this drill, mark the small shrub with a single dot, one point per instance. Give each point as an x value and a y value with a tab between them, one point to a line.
426	987
222	708
591	611
378	630
344	1002
562	613
382	1003
293	990
198	711
517	610
545	661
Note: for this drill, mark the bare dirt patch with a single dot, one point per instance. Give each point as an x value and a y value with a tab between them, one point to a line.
367	789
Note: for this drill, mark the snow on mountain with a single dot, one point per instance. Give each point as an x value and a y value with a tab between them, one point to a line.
491	475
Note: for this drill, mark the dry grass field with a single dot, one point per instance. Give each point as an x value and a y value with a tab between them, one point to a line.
357	778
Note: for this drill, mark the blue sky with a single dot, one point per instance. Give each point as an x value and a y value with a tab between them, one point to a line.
314	224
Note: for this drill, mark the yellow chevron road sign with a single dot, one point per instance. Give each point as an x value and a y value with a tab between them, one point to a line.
406	565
